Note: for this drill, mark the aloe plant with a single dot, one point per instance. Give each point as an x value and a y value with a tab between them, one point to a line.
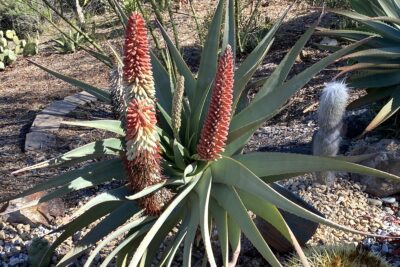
194	177
376	65
68	44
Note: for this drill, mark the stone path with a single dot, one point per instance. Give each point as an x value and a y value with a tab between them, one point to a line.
41	134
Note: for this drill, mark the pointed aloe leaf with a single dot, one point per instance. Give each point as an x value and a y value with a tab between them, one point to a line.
209	55
228	198
192	230
246	70
203	190
105	173
234	235
80	222
160	221
170	252
150	189
283	163
114	126
129	226
162	233
229	27
110	146
390	108
234	173
220	217
101	94
162	83
114	220
119	194
372	96
190	81
382	79
281	72
130	243
179	155
60	180
382	28
246	122
272	215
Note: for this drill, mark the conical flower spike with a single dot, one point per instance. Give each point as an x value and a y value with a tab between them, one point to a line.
142	146
215	131
137	64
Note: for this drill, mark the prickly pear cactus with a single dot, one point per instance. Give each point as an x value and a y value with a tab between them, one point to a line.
10	34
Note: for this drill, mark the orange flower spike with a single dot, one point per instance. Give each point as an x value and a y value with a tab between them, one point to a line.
216	126
137	63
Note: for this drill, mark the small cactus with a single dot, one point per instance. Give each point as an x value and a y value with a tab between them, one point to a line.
10	34
31	47
339	256
3	42
2	66
16	40
9	56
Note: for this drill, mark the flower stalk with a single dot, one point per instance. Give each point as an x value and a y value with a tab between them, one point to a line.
216	126
177	102
142	144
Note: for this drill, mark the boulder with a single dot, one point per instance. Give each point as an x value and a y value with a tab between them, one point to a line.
387	159
43	213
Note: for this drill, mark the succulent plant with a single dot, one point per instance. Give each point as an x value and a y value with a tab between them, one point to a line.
68	44
10	34
375	66
339	256
31	46
194	178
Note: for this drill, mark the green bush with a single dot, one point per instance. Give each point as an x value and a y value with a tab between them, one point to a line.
19	17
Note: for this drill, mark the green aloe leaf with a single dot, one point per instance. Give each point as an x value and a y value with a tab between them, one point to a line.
203	190
102	95
60	180
283	163
382	79
162	233
234	235
160	221
153	188
192	230
280	74
382	28
130	243
170	252
220	217
246	70
119	195
209	55
272	215
190	81
129	226
114	126
390	108
179	155
228	198
372	96
229	27
162	83
110	146
115	219
80	222
234	173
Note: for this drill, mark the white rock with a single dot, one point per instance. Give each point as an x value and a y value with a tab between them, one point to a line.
389	200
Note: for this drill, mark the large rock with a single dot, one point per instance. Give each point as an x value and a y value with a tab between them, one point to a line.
43	213
387	159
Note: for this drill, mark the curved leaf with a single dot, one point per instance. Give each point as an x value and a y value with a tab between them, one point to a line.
114	126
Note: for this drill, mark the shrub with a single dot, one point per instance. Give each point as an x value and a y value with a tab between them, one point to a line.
17	16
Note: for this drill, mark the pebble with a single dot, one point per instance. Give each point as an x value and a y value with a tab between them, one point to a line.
389	200
375	202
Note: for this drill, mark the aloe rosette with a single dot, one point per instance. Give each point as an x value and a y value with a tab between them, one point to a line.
375	66
195	177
